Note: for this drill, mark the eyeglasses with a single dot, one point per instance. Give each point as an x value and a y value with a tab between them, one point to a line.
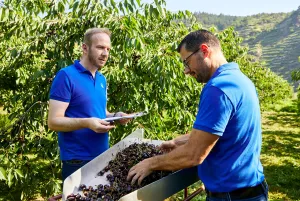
185	62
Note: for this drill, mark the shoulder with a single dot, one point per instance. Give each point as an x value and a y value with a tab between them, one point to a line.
234	84
68	69
67	72
211	93
231	81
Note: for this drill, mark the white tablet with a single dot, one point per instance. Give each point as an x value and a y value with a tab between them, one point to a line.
131	116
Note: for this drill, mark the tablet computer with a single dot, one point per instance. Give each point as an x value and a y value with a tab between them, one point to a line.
130	116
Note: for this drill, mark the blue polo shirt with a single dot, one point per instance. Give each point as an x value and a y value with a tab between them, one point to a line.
87	98
229	108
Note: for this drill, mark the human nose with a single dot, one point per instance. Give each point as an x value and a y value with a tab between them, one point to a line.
105	52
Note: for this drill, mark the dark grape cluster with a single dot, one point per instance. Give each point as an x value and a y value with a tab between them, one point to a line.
119	167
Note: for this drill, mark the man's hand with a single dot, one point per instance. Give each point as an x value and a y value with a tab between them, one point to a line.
167	146
139	171
98	125
122	121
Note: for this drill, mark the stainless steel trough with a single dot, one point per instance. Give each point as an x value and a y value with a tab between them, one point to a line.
156	191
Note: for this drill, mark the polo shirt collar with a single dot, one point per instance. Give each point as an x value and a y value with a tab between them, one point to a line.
82	69
227	66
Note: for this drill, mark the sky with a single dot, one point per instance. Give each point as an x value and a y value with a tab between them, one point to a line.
233	7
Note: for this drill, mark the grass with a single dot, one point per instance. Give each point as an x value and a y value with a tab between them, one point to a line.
289	105
280	156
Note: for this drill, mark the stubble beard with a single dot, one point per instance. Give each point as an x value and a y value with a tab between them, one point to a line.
204	75
94	60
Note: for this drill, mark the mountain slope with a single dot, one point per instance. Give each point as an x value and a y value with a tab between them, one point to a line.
273	38
281	45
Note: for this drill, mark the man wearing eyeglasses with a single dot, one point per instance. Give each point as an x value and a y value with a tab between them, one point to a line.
225	141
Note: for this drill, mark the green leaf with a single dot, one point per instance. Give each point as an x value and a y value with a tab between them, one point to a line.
129	6
121	7
113	3
75	6
161	11
151	10
1	13
138	2
2	174
4	14
14	53
19	172
71	2
105	2
61	7
132	2
156	12
9	178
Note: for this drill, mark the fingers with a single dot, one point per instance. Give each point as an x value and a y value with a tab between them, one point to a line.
131	173
138	172
103	126
140	179
124	121
134	176
99	125
106	128
104	122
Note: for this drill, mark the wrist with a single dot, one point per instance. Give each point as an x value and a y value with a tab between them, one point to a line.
84	122
152	163
179	142
175	142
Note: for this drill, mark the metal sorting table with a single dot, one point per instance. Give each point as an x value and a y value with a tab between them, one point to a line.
158	190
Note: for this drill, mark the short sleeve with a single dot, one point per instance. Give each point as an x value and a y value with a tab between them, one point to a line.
214	112
61	87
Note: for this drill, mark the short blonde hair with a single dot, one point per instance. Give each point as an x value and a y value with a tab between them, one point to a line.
87	39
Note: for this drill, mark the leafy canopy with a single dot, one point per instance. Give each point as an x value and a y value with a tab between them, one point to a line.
144	73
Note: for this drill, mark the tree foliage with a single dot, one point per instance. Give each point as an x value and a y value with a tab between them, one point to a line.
296	78
144	73
296	73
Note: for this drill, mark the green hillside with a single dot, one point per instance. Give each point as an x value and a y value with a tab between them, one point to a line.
273	38
281	45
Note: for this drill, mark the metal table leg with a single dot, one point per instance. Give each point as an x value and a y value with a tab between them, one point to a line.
194	194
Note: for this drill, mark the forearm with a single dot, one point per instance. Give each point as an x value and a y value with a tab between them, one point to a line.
190	154
177	159
66	124
182	139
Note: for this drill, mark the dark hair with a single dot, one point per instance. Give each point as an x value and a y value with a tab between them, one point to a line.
194	39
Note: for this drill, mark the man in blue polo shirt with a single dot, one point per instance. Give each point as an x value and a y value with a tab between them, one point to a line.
78	99
225	141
